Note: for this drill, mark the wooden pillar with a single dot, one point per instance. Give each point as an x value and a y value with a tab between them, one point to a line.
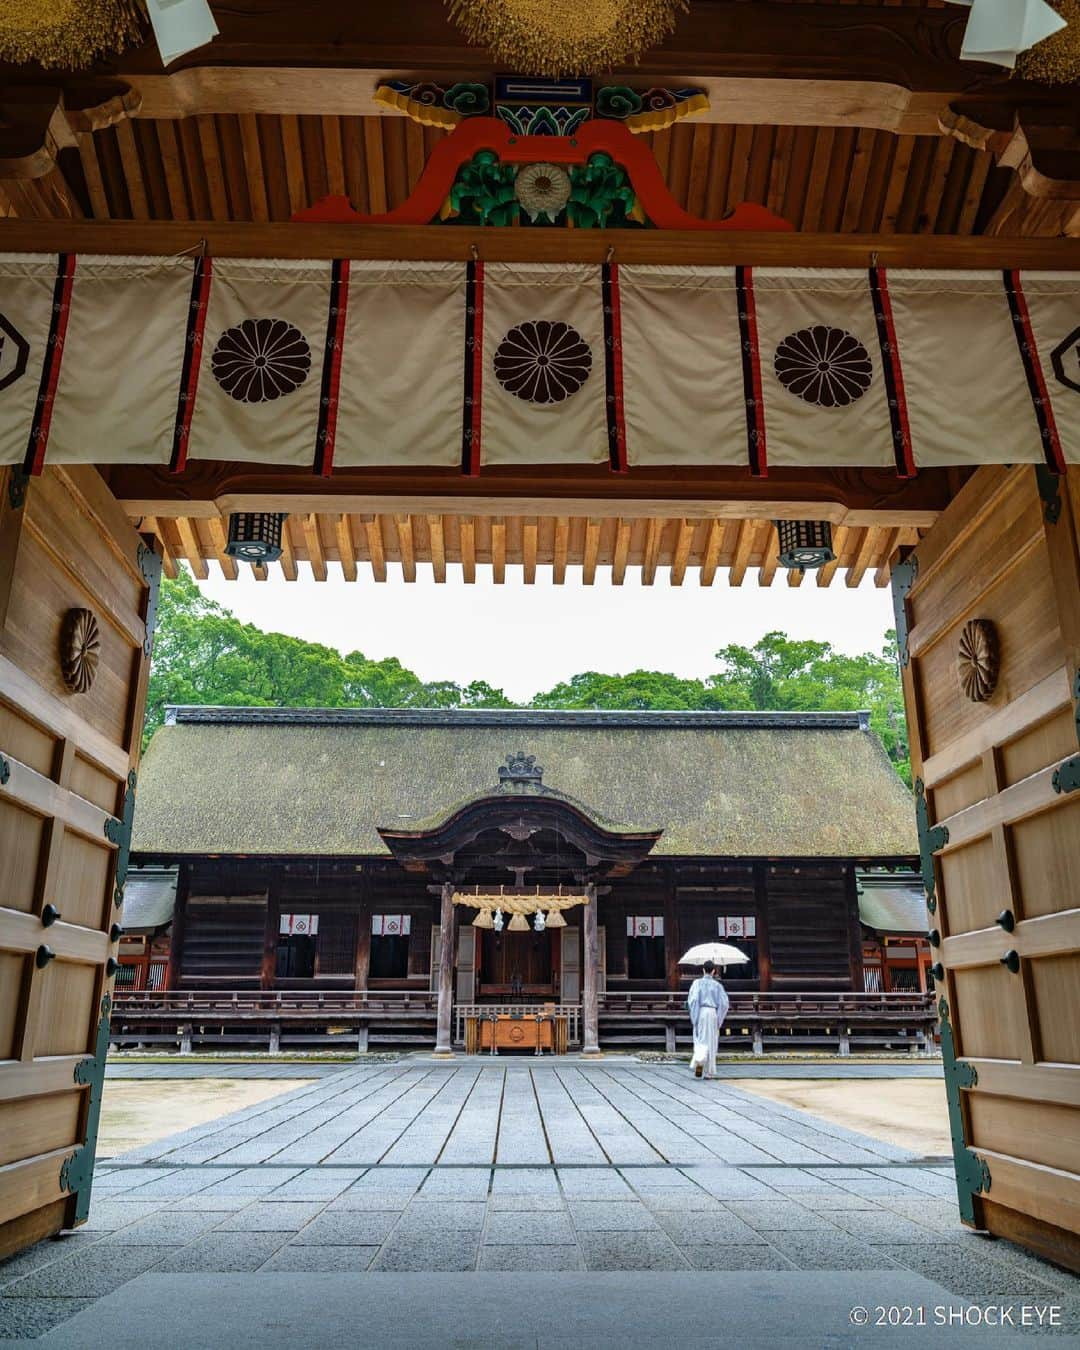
590	1023
268	968
174	969
443	1043
851	894
672	939
761	907
362	958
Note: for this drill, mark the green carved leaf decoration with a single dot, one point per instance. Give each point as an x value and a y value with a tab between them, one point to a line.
470	100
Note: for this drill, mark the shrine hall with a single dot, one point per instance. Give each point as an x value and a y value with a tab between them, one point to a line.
572	872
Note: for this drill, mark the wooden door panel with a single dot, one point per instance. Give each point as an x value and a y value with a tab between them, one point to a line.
67	762
998	792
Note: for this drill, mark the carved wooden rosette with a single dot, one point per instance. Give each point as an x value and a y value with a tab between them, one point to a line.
80	649
978	659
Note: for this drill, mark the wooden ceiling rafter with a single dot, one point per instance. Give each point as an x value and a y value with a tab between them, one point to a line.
329	545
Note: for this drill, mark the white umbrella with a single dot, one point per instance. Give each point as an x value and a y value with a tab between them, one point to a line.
719	953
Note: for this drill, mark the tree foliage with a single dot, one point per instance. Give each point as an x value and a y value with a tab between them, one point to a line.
203	654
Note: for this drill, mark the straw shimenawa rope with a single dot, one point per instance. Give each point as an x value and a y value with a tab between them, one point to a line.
521	903
1056	60
69	34
566	37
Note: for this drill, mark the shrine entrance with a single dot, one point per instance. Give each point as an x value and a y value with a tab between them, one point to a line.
517	965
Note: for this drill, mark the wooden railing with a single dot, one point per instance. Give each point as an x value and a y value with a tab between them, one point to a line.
354	1019
571	1011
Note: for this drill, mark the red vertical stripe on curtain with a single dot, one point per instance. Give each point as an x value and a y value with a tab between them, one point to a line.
50	367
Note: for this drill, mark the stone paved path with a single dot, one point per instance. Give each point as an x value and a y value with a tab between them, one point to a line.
518	1166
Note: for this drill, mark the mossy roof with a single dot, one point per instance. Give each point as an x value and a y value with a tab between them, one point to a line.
312	782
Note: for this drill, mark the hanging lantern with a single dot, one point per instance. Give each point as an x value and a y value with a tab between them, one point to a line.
497	921
539	923
555	919
255	536
518	923
483	920
805	543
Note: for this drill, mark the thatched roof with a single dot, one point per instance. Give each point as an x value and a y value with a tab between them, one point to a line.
320	782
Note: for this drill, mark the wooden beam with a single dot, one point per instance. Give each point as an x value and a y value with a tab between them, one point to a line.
218	538
498	551
376	552
438	547
651	552
316	558
467	533
345	546
852	62
740	560
681	552
621	552
843	497
770	556
190	548
710	558
591	552
284	239
406	546
288	555
825	574
562	545
529	532
864	553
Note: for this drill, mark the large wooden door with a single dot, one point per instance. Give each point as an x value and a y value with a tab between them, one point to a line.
77	589
988	608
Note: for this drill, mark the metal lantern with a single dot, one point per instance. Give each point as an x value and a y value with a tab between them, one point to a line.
805	543
555	919
255	536
518	924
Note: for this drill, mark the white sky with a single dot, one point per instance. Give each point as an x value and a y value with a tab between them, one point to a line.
524	639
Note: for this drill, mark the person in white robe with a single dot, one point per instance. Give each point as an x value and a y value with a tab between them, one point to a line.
707	1004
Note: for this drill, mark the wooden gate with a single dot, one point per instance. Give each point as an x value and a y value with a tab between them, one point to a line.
988	613
77	590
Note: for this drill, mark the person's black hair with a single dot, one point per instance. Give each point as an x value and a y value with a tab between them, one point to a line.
710	966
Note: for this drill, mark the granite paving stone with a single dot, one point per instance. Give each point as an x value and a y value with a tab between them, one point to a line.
541	1230
294	1257
593	1183
525	1181
690	1230
444	1215
818	1250
524	1204
962	1270
531	1258
603	1216
108	1215
766	1215
317	1183
43	1254
446	1250
459	1183
220	1253
31	1317
728	1183
88	1273
883	1226
354	1228
631	1251
174	1228
737	1258
688	1201
263	1217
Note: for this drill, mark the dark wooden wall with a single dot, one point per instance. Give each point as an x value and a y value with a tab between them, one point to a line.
806	913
